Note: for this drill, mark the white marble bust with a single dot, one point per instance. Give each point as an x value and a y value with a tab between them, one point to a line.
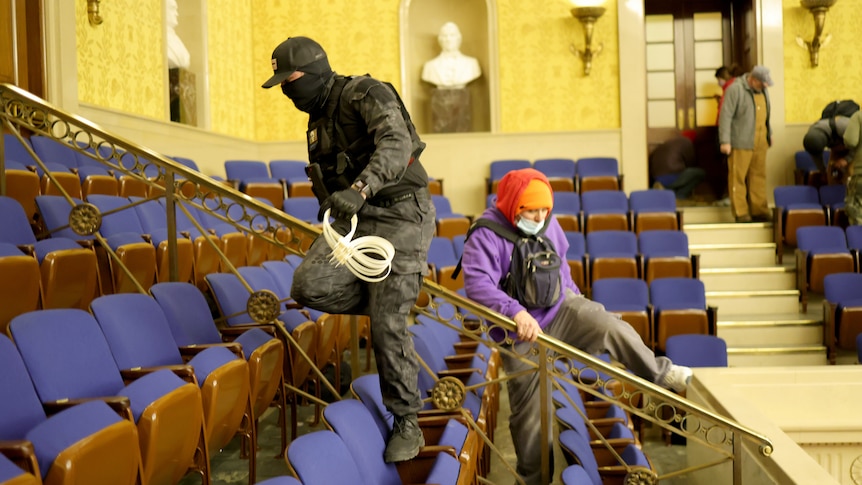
451	69
178	55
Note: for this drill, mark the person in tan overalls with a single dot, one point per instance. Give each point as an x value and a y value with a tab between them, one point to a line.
745	135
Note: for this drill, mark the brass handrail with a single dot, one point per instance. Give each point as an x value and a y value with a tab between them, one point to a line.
21	111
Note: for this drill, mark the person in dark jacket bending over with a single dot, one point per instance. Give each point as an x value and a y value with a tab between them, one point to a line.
524	201
363	155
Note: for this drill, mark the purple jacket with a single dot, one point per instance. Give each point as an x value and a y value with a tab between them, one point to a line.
486	261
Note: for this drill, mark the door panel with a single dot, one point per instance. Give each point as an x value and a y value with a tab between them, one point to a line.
685	43
21	45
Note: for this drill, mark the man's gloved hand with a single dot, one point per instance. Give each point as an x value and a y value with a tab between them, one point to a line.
343	204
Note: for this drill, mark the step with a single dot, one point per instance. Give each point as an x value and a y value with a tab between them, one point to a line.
774	330
801	355
758	302
734	255
720	233
706	215
753	278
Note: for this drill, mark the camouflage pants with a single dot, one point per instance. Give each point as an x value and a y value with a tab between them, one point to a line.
853	200
318	284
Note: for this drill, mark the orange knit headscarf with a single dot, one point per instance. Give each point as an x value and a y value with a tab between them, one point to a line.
521	190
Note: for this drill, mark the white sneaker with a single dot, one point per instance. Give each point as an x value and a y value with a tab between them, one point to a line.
677	378
725	202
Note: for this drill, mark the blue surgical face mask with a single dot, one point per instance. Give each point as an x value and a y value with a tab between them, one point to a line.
529	226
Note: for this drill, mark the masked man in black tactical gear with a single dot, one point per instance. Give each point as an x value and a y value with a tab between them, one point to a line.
363	155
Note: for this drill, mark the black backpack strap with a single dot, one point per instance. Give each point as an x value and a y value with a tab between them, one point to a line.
498	228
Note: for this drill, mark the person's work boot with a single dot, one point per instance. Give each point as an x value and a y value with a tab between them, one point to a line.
405	441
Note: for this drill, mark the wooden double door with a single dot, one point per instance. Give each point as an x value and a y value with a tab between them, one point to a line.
686	42
21	41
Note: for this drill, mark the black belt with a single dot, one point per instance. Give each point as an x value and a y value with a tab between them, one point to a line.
392	200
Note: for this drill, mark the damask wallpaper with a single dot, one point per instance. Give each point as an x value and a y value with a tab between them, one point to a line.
808	89
359	38
231	68
121	63
542	84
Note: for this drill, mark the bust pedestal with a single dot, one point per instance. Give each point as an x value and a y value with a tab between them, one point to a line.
183	96
450	110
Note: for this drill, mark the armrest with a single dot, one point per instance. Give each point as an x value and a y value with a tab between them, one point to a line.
466	346
27	249
695	265
120	404
604	425
185	372
461	374
458	361
435	413
433	450
239	329
712	319
21	453
192	350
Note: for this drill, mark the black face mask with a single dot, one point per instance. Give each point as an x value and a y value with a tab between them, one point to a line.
306	92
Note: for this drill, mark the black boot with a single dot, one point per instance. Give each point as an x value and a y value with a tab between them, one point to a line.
405	441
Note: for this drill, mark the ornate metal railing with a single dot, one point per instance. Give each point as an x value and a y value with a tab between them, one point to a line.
184	191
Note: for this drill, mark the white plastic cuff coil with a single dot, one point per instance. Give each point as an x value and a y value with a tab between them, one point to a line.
367	257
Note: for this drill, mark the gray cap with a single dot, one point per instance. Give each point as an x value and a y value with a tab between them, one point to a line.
291	55
761	73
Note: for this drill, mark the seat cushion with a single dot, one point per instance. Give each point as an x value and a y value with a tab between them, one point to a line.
209	360
64	429
146	390
251	339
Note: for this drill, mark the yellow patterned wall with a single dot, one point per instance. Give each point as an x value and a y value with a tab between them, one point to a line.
542	84
808	89
231	68
121	63
358	37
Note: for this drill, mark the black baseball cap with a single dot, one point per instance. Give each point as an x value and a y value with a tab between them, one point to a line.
293	54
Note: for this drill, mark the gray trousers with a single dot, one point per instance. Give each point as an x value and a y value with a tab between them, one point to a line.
318	284
584	324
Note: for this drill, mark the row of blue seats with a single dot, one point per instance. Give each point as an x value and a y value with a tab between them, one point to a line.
822	250
67	270
595	210
79	171
596	255
842	312
660	309
202	391
565	174
803	205
278	179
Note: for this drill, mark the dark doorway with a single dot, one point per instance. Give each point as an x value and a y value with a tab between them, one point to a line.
686	42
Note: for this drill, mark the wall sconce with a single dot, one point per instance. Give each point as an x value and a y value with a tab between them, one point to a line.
818	9
93	12
587	15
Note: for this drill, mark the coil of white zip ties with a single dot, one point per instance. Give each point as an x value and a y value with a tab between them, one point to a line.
367	257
